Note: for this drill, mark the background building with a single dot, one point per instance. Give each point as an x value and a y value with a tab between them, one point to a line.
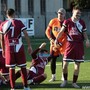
41	10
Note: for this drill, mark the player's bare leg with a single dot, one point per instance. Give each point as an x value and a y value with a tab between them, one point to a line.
75	76
65	73
38	79
23	75
12	77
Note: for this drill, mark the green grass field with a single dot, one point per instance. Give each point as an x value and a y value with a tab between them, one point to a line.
84	75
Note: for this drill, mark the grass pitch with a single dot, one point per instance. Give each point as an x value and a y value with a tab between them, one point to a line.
84	75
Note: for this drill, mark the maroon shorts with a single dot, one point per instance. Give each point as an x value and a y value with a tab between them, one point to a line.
15	58
39	71
74	52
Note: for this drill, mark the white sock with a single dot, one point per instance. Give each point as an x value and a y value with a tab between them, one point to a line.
53	75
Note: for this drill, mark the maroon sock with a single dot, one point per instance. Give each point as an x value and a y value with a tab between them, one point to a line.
18	74
12	77
39	79
75	77
65	76
24	76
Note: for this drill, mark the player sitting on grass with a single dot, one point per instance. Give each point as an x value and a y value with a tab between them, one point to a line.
35	74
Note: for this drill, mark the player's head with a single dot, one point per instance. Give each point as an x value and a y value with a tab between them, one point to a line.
10	13
61	14
44	53
76	12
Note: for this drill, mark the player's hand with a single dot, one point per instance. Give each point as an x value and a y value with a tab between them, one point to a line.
56	43
52	42
55	49
87	43
42	45
29	49
3	53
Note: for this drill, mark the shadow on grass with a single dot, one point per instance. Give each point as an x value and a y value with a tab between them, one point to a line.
82	84
57	85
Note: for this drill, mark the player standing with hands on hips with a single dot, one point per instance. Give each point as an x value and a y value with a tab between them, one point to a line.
76	33
12	47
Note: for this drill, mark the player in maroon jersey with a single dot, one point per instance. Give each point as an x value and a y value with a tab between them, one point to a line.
36	73
4	71
12	47
76	32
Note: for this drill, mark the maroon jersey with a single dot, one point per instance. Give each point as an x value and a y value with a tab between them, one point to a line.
74	47
74	29
39	62
14	49
12	34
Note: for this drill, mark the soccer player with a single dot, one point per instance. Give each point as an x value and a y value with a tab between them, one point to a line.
4	71
12	47
76	33
51	33
40	58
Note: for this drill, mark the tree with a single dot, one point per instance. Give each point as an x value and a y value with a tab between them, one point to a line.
85	4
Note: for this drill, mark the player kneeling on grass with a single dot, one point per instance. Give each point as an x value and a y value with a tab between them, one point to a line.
35	74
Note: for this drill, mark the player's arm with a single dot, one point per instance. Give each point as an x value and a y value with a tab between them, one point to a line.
28	41
48	32
86	38
34	53
60	34
2	44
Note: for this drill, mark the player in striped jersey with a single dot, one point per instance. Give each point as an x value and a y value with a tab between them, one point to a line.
12	47
76	33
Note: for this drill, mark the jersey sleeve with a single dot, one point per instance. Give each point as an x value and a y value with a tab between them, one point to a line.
65	23
48	30
23	27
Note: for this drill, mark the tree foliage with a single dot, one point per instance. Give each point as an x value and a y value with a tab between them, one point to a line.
85	4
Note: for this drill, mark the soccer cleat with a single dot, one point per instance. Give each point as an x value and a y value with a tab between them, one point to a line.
27	88
75	85
29	81
52	79
63	84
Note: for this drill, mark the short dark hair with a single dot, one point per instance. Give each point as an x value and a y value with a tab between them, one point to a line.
77	8
10	12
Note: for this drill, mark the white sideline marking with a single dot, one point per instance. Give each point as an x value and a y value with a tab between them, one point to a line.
57	64
70	62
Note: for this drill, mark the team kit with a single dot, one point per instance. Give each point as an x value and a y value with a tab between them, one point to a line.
66	38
